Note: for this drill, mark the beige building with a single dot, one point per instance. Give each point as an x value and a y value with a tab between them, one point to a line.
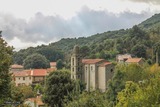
94	72
53	65
122	58
28	77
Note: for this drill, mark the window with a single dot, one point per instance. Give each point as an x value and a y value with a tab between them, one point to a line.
73	69
78	69
23	78
19	78
72	61
86	68
91	68
111	70
30	78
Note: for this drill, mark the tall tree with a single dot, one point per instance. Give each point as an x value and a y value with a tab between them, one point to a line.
36	61
5	62
58	85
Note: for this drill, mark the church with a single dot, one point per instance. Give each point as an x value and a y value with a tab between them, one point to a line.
94	72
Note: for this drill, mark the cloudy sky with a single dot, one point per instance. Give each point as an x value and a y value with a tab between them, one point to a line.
33	22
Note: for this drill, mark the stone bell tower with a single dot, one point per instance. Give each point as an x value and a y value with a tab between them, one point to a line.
76	64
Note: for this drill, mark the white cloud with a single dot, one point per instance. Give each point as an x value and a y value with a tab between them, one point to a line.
86	22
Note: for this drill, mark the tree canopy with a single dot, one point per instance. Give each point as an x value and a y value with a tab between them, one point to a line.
5	62
36	61
58	85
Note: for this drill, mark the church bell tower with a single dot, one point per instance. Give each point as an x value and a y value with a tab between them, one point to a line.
76	64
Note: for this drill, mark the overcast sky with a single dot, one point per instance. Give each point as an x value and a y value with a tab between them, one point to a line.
33	22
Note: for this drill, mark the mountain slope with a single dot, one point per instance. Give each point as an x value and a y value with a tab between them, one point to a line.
105	45
151	23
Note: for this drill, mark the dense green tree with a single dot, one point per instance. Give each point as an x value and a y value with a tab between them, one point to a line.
139	50
60	64
58	85
86	99
142	94
36	61
137	32
115	86
20	93
84	51
5	62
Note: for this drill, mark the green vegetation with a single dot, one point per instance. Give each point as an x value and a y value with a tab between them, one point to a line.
59	88
20	93
59	64
5	78
36	61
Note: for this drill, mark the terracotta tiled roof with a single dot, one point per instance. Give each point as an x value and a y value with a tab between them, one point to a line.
34	72
39	72
91	61
16	66
134	60
105	63
53	64
21	73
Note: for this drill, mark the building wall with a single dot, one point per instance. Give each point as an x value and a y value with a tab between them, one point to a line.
109	72
102	78
38	78
26	80
90	77
76	67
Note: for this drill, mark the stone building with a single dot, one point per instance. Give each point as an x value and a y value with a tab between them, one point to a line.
94	72
122	58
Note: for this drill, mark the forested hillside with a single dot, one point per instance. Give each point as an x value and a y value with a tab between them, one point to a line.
141	40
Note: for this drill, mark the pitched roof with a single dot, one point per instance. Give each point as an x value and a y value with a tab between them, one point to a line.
134	60
53	64
105	63
39	72
34	72
91	61
22	73
16	66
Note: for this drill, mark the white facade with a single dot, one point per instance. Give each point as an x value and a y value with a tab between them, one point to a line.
23	80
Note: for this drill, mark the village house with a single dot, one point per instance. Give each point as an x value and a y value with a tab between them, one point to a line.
122	58
53	65
94	72
28	77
